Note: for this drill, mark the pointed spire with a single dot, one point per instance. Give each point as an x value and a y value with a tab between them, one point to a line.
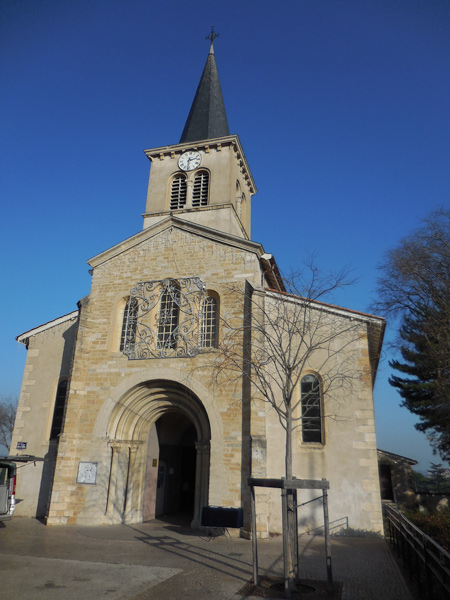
207	118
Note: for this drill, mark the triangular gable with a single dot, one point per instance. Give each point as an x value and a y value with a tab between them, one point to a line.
24	337
172	222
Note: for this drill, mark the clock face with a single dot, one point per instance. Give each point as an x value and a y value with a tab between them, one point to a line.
189	160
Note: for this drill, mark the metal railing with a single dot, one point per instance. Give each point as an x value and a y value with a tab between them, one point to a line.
427	562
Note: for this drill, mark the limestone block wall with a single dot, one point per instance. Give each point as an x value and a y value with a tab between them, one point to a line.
347	456
49	359
102	374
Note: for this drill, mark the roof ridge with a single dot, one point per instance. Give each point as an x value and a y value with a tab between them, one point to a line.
351	310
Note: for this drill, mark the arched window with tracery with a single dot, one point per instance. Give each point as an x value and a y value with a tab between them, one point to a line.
200	189
58	411
311	409
129	324
169	314
178	192
210	322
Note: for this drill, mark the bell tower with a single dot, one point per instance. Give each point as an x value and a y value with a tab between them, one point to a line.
204	178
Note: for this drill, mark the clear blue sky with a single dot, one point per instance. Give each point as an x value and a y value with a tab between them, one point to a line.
342	107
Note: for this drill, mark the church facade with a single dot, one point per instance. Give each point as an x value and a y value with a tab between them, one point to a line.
118	395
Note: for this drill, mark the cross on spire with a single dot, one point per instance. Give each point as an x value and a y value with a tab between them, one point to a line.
212	36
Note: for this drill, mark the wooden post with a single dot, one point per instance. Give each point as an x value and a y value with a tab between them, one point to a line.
254	540
326	521
284	514
288	496
297	557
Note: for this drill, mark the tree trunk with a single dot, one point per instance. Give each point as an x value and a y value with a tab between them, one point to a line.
288	459
290	533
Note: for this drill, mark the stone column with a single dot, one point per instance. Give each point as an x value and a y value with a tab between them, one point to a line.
131	504
201	481
189	189
117	481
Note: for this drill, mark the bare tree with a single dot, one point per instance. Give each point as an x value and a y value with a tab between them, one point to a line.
284	335
416	274
7	417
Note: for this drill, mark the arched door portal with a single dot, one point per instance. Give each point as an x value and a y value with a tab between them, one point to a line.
159	436
175	490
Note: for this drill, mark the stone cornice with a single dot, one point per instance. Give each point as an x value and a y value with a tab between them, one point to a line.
206	146
199	210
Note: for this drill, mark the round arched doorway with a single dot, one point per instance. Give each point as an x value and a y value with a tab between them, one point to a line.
159	435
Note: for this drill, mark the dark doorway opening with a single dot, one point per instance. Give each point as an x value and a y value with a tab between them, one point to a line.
175	494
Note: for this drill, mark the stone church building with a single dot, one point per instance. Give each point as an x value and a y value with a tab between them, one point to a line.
117	396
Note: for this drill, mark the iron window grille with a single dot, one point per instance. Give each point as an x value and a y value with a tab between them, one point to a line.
128	333
169	313
168	319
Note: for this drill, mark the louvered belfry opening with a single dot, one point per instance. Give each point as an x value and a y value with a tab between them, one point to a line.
200	189
178	193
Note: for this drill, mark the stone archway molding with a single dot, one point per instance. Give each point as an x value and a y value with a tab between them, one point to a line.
204	394
131	418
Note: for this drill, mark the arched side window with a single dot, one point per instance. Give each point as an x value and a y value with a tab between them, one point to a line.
311	410
238	198
129	323
169	313
210	318
58	412
243	214
201	189
178	192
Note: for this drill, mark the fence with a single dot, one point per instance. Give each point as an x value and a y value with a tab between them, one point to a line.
427	562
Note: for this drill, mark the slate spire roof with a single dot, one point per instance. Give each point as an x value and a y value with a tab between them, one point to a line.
207	118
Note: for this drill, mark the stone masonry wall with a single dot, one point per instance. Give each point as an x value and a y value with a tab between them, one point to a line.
99	367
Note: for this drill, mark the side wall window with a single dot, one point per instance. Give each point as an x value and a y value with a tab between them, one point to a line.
178	192
58	412
200	189
128	333
311	409
210	318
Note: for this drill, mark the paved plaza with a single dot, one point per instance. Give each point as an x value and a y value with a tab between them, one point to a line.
159	560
